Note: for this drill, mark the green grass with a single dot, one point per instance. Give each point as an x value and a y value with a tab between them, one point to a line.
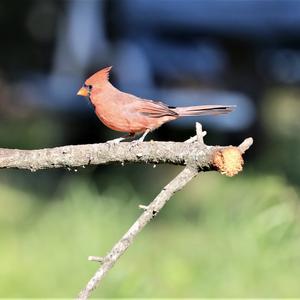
218	237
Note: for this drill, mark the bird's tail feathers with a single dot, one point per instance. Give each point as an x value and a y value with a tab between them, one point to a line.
203	110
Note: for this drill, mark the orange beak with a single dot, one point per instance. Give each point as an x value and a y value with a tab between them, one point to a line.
83	92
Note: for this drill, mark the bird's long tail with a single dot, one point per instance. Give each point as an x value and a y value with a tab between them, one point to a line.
203	110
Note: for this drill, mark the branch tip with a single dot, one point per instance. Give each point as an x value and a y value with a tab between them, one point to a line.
143	207
245	145
96	258
200	134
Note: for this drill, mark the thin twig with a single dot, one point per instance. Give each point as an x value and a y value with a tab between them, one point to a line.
245	145
144	207
199	135
153	209
98	259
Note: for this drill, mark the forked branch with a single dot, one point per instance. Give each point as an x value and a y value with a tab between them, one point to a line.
193	154
227	160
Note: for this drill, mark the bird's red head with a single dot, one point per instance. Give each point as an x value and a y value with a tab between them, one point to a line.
95	80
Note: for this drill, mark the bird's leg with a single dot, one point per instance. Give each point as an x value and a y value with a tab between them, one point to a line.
141	139
120	139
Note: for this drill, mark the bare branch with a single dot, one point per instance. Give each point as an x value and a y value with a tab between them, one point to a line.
152	210
193	154
99	154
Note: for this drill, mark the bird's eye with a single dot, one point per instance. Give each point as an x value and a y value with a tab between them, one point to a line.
89	87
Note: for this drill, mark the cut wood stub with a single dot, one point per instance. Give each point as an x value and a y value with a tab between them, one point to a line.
228	161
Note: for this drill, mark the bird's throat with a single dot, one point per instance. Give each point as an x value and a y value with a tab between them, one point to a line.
91	102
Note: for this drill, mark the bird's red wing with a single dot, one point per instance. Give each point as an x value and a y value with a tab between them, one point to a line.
154	109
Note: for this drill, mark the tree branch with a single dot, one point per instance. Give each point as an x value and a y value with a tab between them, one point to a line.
99	154
149	212
193	154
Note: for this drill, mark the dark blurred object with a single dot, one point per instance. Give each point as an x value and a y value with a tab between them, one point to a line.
182	52
249	18
211	45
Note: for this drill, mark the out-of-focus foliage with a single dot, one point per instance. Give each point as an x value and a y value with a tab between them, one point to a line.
219	237
280	115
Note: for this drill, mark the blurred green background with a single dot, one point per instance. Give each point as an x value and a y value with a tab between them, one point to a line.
218	237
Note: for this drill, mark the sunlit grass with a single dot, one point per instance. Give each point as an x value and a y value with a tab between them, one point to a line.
219	237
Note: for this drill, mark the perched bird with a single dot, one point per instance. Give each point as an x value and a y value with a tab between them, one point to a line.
130	114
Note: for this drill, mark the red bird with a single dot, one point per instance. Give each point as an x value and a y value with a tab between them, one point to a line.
128	113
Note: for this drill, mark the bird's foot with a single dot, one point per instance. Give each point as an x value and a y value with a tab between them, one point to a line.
140	140
135	143
115	141
120	139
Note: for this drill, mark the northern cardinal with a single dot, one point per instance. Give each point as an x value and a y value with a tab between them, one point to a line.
130	114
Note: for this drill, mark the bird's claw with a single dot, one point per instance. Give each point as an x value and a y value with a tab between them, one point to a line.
135	143
115	141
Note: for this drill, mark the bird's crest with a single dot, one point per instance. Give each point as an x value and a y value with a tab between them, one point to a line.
100	76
